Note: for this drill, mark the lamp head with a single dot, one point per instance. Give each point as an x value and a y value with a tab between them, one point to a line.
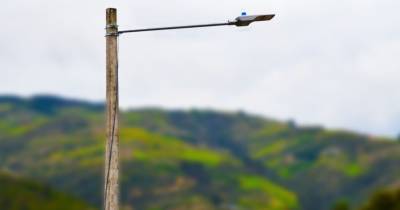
246	20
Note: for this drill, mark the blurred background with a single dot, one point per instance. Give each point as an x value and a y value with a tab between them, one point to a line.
294	114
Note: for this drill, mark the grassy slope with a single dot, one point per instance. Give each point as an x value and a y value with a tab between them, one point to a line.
194	160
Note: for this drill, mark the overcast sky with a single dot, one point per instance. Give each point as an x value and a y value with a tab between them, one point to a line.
329	62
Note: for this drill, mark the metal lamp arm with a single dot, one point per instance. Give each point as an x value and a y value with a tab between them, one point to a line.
178	27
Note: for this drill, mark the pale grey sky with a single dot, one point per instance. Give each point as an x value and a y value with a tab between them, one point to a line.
330	62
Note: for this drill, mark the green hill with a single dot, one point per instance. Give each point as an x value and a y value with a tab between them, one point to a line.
193	159
21	194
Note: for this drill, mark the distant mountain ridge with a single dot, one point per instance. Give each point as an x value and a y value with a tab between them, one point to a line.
193	159
48	103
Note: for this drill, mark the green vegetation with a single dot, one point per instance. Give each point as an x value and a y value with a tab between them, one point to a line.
152	147
282	199
21	194
206	160
341	205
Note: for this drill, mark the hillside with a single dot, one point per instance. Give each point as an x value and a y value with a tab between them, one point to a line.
194	159
21	194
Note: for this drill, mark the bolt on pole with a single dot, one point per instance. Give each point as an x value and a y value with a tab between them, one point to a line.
111	181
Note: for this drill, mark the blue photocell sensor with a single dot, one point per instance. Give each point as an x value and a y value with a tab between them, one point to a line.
244	13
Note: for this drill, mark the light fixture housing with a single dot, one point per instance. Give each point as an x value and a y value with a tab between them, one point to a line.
246	20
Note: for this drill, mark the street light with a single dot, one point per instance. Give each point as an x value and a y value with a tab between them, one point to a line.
245	20
240	21
111	187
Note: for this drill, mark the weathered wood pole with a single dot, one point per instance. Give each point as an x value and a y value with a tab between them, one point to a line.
111	186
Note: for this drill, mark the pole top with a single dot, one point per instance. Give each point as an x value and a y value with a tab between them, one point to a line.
111	22
111	16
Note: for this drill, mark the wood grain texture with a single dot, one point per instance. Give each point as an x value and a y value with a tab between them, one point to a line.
111	186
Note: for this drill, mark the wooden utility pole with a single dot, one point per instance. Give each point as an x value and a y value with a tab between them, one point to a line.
111	186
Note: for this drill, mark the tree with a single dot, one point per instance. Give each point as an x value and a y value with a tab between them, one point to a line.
384	200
